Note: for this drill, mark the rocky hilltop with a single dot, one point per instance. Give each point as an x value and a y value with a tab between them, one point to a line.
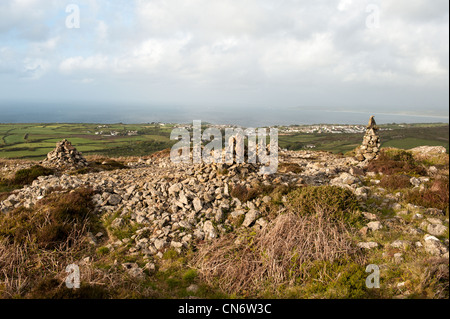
165	206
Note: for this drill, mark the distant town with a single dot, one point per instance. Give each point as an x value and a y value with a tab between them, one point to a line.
292	129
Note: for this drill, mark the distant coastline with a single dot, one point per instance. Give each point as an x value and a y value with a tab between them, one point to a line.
252	117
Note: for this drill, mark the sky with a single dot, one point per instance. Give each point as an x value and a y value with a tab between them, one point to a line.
391	56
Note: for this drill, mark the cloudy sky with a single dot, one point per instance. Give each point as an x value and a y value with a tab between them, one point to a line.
341	55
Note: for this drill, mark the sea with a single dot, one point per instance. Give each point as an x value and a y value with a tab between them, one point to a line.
247	117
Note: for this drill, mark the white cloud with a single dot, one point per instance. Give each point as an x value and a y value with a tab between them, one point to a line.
230	47
77	64
34	69
430	66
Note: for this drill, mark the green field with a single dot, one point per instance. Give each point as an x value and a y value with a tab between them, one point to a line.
34	141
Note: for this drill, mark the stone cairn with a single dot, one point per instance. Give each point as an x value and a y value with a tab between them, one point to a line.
65	155
370	147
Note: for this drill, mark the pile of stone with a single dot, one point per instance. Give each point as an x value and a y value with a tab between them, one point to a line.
370	147
65	155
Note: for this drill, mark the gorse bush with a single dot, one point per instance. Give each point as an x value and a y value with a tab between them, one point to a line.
338	279
339	203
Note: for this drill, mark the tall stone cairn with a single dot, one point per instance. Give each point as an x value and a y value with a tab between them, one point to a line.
370	147
65	155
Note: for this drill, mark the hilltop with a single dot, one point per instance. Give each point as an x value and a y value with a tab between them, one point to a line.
146	227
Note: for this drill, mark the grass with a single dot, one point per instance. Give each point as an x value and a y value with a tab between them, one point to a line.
36	245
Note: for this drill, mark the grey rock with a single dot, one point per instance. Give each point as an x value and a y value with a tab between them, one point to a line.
192	288
237	213
434	246
160	244
197	204
209	230
374	226
369	216
403	244
368	245
436	229
114	199
250	217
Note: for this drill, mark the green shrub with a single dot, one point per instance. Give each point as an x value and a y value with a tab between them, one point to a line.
102	251
190	275
338	279
171	254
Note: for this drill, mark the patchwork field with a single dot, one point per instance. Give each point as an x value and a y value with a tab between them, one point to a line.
34	141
